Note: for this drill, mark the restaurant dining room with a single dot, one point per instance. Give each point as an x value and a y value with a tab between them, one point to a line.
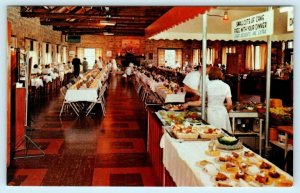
150	96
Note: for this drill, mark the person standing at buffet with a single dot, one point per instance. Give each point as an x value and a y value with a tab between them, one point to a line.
217	92
193	85
76	66
100	63
85	65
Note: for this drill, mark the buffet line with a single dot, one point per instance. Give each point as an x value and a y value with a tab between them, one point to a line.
195	153
198	154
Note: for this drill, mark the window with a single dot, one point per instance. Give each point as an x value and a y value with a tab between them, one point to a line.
32	47
169	57
47	59
90	55
210	56
257	58
225	50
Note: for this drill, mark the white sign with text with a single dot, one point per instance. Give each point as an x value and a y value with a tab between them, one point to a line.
261	24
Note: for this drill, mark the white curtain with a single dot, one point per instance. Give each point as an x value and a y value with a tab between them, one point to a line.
64	54
224	55
49	54
249	57
263	57
44	54
196	57
58	54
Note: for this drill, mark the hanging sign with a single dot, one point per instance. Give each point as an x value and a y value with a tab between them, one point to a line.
254	26
290	21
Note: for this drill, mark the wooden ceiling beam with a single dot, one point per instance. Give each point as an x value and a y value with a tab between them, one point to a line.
92	27
81	16
88	23
101	33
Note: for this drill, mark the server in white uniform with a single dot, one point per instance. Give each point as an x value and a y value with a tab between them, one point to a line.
193	84
217	92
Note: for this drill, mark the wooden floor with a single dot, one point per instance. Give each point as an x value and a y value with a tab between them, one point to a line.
88	151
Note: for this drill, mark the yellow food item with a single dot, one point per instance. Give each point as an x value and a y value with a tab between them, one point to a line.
212	152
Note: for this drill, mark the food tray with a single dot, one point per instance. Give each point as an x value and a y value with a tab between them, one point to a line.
202	131
173	107
172	135
186	136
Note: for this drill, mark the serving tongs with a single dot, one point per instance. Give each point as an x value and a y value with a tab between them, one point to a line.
229	134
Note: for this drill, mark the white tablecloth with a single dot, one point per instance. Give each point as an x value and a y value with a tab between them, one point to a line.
37	82
180	159
47	78
88	94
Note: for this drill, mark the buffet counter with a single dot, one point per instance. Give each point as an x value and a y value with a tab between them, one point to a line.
180	161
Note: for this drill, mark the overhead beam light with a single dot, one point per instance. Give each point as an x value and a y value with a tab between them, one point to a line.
105	23
108	33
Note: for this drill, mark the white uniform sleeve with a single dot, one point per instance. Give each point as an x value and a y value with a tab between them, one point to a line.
191	80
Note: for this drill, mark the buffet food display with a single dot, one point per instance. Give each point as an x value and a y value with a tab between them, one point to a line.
243	168
214	157
171	117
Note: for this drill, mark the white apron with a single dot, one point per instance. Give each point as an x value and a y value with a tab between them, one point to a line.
218	117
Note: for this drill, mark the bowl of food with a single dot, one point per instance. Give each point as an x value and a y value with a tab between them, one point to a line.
229	143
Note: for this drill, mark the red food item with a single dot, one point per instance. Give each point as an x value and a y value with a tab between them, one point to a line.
235	155
265	165
249	154
192	115
224	185
239	175
274	174
222	159
230	165
262	179
243	166
221	177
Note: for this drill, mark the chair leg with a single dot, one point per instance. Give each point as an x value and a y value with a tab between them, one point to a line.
62	108
89	109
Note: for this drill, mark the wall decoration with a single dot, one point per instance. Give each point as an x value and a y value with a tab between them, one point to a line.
109	53
72	53
131	46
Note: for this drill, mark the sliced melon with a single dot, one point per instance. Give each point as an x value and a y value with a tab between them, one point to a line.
228	140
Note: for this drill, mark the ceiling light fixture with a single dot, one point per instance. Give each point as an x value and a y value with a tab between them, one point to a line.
224	17
105	23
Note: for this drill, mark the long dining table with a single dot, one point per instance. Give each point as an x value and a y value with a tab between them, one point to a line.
80	93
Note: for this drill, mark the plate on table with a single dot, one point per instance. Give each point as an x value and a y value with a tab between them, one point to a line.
173	107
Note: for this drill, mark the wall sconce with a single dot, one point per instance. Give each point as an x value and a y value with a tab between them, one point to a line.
225	17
